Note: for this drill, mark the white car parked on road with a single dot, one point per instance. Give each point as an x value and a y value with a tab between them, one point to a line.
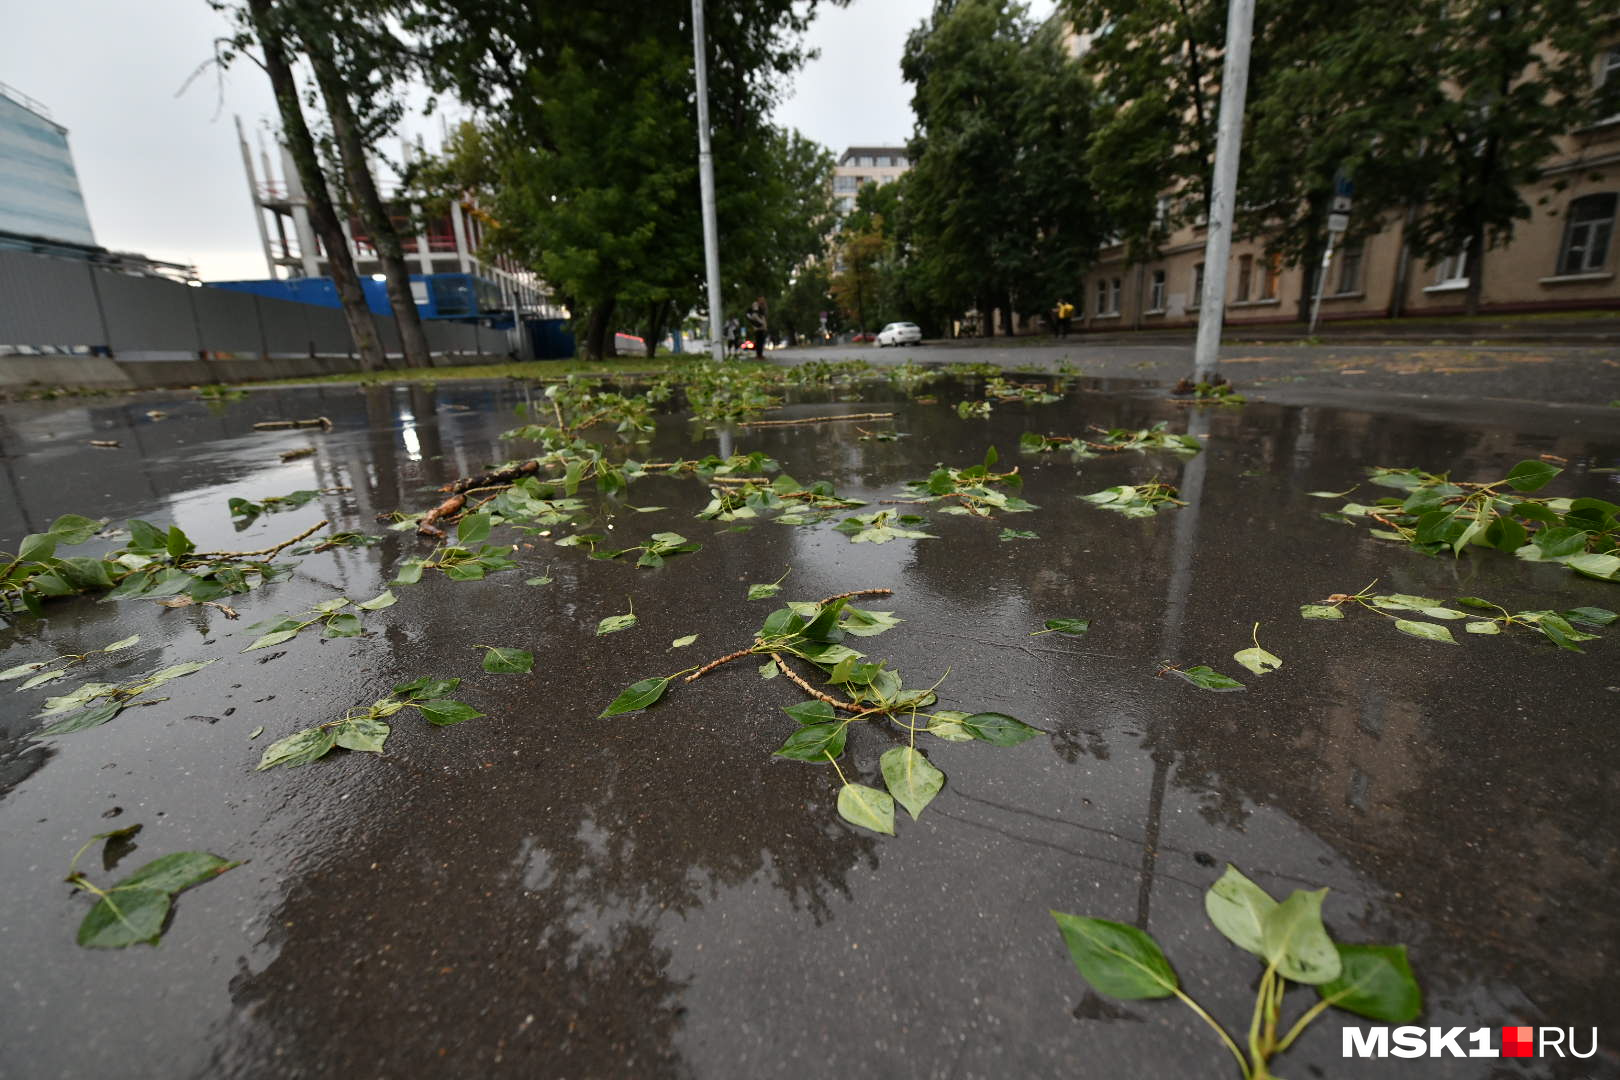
900	333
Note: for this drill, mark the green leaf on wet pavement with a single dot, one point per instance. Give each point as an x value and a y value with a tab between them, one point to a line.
614	623
1426	631
637	696
1531	475
682	642
1319	611
997	729
501	660
815	743
1238	908
866	807
1258	660
911	778
1296	942
443	712
1117	960
1207	678
1375	981
299	748
365	733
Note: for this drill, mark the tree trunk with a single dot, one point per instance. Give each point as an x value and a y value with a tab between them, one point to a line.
363	190
657	316
598	330
1007	316
1476	270
362	327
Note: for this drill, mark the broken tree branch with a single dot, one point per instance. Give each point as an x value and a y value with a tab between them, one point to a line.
818	419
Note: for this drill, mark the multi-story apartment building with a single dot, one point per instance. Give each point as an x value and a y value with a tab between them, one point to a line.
1563	257
860	165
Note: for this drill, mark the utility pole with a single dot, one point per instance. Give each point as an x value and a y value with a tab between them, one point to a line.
1223	196
711	229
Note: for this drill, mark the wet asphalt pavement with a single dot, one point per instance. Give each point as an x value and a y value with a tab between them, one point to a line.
543	893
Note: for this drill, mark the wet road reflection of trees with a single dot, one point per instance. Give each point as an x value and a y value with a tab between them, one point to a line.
516	912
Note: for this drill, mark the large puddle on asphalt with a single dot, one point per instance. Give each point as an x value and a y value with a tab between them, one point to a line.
540	892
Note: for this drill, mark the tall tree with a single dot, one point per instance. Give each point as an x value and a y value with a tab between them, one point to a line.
997	204
1502	81
589	111
270	31
1157	69
358	65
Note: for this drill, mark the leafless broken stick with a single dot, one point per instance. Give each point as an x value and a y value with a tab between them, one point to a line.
278	425
818	419
294	455
266	552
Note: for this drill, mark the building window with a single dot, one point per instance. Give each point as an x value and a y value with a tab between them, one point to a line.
1102	296
1156	292
1273	277
1197	287
900	162
1453	269
1587	232
1609	66
1245	277
1161	214
1349	270
1113	297
845	183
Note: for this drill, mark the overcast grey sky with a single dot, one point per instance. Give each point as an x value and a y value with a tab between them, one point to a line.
162	174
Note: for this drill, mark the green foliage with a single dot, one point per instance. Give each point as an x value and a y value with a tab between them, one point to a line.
1560	628
114	698
1135	500
245	510
969	491
502	660
584	155
997	210
1289	938
1066	627
39	672
136	909
365	728
1205	677
1435	514
336	623
883	526
1112	440
817	634
1257	659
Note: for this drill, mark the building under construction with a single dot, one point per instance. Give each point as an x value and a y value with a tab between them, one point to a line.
453	276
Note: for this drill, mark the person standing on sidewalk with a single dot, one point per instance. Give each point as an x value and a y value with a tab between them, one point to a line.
757	325
1065	311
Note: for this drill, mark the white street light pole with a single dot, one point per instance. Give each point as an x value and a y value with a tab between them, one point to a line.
1223	196
711	229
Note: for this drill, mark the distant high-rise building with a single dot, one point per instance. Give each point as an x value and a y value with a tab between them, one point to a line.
39	188
860	165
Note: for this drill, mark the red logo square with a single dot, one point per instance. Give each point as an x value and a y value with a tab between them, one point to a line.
1518	1042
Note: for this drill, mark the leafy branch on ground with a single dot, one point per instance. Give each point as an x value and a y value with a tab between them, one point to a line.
1136	500
40	672
117	697
1560	628
365	728
1112	441
1373	981
853	691
1437	514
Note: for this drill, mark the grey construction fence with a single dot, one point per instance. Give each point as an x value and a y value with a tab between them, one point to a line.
65	322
